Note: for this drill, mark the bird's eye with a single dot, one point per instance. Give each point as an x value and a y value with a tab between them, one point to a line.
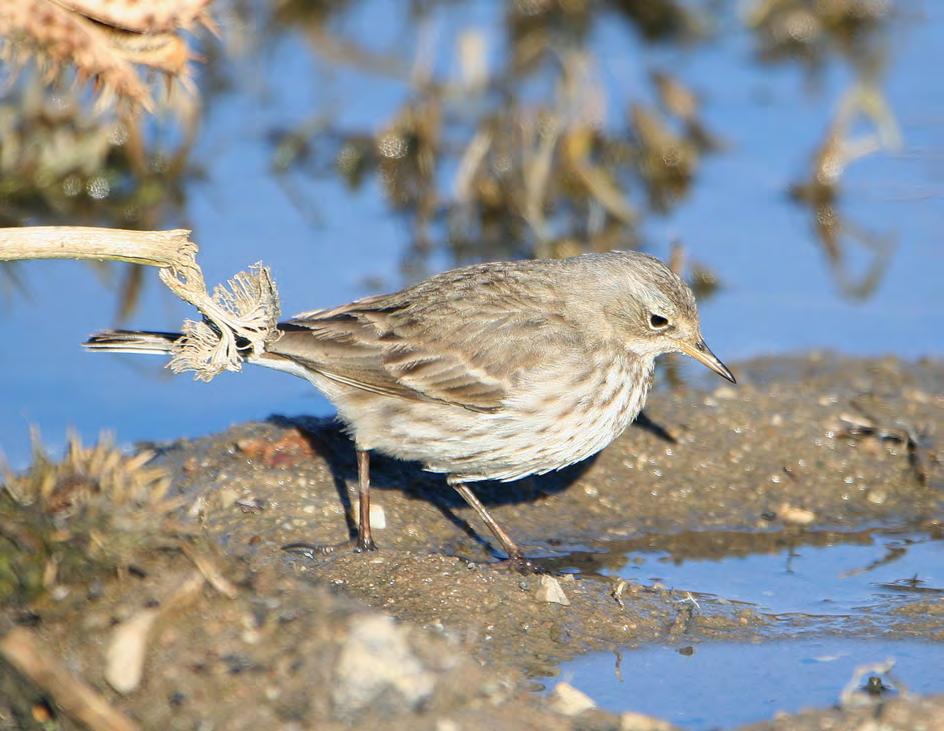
658	322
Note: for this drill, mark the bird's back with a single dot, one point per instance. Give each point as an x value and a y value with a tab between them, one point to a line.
460	338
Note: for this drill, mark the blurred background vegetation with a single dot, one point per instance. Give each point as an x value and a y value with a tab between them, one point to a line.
505	152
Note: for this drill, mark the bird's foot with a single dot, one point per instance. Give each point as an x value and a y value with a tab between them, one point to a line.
520	564
315	550
363	545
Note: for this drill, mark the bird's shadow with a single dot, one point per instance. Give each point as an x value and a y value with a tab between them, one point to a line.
328	439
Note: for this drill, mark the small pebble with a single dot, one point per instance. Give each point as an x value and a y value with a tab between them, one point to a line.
378	518
550	591
631	721
797	516
568	701
876	497
227	496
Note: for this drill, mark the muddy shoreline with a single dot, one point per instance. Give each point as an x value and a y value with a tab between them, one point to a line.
806	451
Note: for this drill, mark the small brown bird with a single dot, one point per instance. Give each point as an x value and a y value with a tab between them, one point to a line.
490	372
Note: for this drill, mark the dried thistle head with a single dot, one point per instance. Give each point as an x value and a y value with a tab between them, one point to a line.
96	508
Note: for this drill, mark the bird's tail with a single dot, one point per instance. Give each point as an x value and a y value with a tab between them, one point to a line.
132	341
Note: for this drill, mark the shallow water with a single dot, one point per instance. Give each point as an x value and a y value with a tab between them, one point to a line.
825	586
727	684
327	244
835	579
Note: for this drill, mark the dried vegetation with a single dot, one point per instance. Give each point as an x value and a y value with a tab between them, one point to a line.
104	41
96	509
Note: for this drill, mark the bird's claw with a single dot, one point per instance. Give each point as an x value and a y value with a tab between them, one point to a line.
520	564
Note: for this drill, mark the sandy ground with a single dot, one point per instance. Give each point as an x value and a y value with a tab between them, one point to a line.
431	631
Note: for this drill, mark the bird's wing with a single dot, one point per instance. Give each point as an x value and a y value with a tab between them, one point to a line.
464	348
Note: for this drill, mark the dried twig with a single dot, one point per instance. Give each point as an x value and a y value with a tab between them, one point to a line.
236	320
153	248
22	650
210	571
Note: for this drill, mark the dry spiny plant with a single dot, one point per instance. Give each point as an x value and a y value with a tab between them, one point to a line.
95	509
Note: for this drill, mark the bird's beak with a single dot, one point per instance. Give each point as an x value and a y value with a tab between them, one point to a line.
701	352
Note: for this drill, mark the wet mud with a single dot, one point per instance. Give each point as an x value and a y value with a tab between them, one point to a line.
433	631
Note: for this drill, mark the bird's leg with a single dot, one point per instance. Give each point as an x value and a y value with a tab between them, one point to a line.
365	541
515	554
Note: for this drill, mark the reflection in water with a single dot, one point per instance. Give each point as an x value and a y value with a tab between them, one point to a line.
822	191
526	156
64	163
826	574
727	684
76	156
521	153
516	150
859	33
811	32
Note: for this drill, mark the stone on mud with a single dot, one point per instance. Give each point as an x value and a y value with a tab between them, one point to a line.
376	670
550	591
568	701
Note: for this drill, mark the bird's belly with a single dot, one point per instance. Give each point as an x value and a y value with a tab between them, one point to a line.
536	433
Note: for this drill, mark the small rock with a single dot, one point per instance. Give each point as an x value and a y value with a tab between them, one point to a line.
725	392
290	448
876	496
378	518
124	658
797	516
568	701
631	721
198	508
376	670
251	504
550	591
227	496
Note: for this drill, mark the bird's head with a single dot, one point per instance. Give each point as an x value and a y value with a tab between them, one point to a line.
652	311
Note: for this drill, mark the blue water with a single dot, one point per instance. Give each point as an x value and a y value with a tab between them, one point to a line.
829	580
819	588
729	684
778	293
